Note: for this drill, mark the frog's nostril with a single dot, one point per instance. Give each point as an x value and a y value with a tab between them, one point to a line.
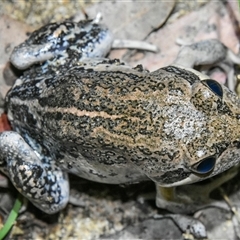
205	166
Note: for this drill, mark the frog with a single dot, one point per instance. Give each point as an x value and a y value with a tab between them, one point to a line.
74	111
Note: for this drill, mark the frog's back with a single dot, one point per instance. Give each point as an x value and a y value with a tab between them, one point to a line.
95	104
102	118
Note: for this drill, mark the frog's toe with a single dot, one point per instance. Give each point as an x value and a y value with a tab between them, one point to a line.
45	185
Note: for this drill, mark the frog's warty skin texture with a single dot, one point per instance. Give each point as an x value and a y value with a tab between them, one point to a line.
47	187
108	122
67	41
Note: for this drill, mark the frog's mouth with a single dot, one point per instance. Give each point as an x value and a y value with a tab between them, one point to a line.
197	172
182	177
192	178
173	178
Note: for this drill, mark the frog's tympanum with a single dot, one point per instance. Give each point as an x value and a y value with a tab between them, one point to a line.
72	111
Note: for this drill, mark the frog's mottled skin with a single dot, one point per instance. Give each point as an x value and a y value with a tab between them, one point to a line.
108	122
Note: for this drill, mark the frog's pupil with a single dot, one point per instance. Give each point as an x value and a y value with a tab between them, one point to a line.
215	87
206	165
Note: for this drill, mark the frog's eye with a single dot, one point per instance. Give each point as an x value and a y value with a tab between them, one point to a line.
214	86
205	166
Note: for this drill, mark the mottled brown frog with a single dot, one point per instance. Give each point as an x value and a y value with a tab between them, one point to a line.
74	112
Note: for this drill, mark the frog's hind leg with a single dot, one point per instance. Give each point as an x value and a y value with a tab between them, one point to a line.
46	186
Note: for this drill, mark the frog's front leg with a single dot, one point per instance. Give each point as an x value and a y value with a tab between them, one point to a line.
190	198
204	53
45	185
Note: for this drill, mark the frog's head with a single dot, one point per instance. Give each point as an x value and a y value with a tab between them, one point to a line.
200	134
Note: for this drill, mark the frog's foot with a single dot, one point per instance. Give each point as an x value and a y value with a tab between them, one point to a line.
44	185
190	198
204	52
210	55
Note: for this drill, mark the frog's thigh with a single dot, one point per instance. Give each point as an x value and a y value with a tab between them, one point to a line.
44	185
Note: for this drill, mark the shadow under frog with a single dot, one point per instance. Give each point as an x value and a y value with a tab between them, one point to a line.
72	111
